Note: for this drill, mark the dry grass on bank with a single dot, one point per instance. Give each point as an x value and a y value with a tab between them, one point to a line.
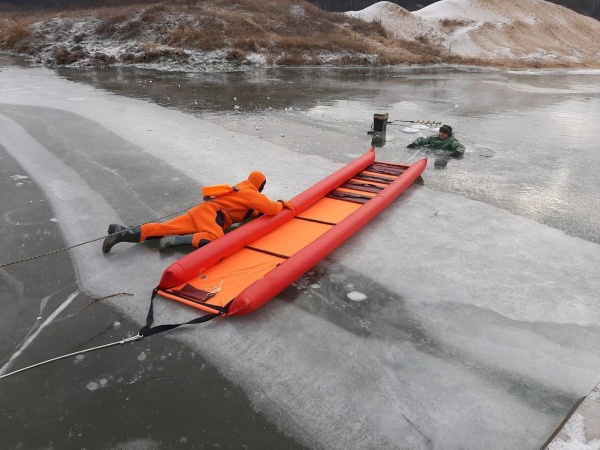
285	32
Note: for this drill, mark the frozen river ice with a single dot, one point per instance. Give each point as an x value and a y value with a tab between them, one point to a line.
464	316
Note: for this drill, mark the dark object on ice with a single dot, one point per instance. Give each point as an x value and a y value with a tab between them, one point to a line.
120	233
411	146
441	163
379	125
378	139
380	122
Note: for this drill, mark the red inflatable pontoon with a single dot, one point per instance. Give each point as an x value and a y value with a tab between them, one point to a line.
246	268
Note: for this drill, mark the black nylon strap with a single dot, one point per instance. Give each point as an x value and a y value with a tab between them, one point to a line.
248	215
149	331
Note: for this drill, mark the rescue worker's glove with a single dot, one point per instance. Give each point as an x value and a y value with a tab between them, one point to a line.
411	146
287	205
455	154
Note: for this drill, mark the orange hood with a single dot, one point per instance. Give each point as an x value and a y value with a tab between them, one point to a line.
258	179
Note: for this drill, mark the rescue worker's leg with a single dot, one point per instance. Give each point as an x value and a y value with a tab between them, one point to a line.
181	225
174	241
208	222
177	241
120	233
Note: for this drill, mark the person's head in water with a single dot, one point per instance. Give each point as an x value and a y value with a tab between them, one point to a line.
445	131
258	179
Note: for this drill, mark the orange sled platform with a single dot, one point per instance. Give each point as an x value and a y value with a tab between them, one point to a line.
246	268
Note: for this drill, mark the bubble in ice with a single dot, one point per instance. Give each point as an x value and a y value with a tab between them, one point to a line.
356	296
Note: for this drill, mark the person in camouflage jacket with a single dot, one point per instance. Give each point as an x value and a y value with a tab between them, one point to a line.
443	141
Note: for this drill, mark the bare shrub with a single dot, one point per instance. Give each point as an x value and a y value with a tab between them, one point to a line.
15	33
251	44
236	55
62	56
354	60
252	6
154	13
293	44
108	26
294	58
340	43
130	30
367	28
127	57
148	47
242	28
454	23
390	60
208	35
422	39
150	52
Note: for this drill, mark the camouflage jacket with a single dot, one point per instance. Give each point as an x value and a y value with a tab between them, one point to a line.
449	144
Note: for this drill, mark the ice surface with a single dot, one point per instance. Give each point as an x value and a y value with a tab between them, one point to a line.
468	306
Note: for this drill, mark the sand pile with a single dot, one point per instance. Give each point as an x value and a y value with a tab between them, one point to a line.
533	32
399	21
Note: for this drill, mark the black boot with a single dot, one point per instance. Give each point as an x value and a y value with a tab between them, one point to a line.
120	233
174	241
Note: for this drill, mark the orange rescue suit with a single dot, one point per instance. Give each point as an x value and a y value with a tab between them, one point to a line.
210	219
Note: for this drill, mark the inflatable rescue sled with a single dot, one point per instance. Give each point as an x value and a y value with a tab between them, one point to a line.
247	267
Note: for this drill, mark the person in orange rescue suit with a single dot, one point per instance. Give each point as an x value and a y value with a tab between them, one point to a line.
205	222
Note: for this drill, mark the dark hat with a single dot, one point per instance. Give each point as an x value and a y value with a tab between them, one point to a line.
447	129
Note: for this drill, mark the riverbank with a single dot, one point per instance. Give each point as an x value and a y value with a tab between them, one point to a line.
224	35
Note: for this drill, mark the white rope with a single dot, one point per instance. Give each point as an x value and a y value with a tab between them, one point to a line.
92	240
217	289
121	342
411	158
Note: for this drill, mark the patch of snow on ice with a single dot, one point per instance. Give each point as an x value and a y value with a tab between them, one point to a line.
356	296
